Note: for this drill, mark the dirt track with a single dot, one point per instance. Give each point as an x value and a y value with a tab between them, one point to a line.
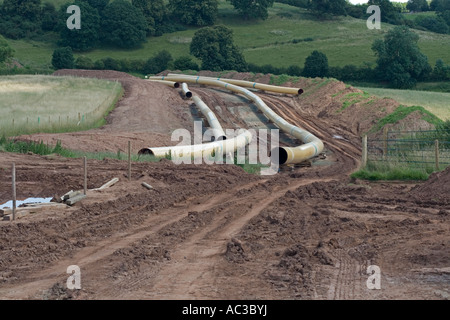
215	232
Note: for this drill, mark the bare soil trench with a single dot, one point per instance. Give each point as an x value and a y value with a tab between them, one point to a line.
216	232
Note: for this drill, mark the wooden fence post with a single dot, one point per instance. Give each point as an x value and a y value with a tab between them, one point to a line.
364	152
85	175
385	143
14	191
129	160
436	153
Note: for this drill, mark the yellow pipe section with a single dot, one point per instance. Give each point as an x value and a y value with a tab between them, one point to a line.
312	146
167	83
254	85
214	123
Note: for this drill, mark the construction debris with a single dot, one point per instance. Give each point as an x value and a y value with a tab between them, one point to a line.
108	184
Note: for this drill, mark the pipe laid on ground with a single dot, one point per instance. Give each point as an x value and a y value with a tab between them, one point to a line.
167	83
254	85
199	150
185	89
312	146
214	123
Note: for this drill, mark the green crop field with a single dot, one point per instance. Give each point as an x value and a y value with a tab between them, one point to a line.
52	104
286	38
437	103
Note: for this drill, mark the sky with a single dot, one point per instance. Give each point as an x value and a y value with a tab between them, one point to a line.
365	1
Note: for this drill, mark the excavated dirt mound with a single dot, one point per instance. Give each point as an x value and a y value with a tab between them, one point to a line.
216	232
436	187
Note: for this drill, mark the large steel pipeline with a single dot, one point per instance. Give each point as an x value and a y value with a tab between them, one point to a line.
186	91
218	132
249	84
188	152
312	146
167	83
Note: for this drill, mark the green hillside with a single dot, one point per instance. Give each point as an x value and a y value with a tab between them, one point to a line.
287	37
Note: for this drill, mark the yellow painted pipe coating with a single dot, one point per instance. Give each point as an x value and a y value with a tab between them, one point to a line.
312	146
171	84
254	85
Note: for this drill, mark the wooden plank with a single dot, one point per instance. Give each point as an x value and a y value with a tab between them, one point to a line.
108	184
149	187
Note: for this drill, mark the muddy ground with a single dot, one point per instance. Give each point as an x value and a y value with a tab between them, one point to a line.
216	232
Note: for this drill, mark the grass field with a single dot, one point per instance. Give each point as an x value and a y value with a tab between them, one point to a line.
279	40
437	103
54	104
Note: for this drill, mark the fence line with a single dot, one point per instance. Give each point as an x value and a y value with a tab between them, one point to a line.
426	149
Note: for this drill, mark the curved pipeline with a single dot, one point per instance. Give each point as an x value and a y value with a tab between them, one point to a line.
312	146
254	85
185	89
167	83
218	132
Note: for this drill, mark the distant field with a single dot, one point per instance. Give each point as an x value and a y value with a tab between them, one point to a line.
51	104
437	103
344	40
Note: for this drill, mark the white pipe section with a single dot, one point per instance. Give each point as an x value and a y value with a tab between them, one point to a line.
218	132
201	150
185	89
312	146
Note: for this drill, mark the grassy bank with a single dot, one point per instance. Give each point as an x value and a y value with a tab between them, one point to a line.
32	104
437	103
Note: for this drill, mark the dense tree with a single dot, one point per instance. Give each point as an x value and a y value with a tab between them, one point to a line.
185	63
158	63
63	58
155	12
323	8
49	17
20	18
85	38
100	5
316	65
194	12
417	5
440	5
214	46
441	71
434	24
257	9
6	51
123	25
26	9
399	59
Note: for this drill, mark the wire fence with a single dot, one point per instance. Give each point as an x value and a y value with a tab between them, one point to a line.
67	121
421	149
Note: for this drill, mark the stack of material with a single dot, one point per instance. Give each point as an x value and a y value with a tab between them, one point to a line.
29	208
71	197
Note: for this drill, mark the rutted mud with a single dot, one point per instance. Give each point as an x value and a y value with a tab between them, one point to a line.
216	232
